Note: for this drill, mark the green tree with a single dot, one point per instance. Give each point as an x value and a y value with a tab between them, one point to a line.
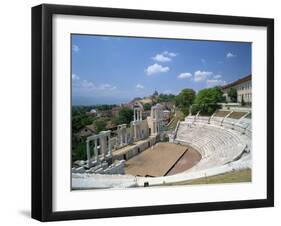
185	99
100	125
79	152
147	106
232	93
185	110
165	98
80	118
207	100
125	116
194	109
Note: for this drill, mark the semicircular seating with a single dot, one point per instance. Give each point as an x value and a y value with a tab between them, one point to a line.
216	144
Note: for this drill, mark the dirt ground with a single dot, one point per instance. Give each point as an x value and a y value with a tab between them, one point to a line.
190	158
162	159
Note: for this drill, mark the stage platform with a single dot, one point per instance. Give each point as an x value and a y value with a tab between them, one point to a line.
156	161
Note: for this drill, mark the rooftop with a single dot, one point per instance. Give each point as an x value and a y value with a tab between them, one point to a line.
237	82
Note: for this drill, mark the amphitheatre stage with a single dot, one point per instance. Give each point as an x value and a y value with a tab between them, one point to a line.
159	160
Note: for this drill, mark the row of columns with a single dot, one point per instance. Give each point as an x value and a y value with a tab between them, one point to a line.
137	114
103	138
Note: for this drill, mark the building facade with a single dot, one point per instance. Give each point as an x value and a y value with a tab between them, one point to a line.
243	87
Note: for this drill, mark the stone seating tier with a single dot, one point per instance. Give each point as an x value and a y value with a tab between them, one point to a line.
216	144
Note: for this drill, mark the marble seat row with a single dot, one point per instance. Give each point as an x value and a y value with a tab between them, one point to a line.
217	145
242	125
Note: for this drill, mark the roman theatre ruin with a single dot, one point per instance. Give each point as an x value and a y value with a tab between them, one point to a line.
136	155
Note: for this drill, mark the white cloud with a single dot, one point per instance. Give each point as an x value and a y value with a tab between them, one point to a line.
230	55
156	68
89	85
201	75
106	87
215	82
161	58
85	84
171	54
139	86
75	48
164	56
217	76
184	75
75	77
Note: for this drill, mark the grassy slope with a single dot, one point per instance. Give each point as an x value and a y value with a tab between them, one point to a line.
232	177
177	117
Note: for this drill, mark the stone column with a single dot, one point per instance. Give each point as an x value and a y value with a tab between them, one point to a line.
88	153
101	145
120	137
140	115
109	146
126	136
104	146
96	151
134	114
135	131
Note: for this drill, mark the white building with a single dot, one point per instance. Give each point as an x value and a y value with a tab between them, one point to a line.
243	87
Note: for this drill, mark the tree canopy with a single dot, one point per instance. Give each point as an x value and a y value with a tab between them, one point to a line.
207	100
165	98
185	99
232	93
100	125
147	106
80	119
125	116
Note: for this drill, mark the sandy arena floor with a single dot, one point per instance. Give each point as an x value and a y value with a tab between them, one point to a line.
190	158
156	161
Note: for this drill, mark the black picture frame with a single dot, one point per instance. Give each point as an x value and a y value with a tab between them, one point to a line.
42	111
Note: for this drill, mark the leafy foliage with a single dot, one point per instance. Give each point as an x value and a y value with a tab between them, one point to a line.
207	100
79	152
147	106
125	116
80	118
100	125
165	98
232	93
185	99
105	107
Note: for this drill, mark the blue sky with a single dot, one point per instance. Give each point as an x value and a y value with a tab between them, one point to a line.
113	70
